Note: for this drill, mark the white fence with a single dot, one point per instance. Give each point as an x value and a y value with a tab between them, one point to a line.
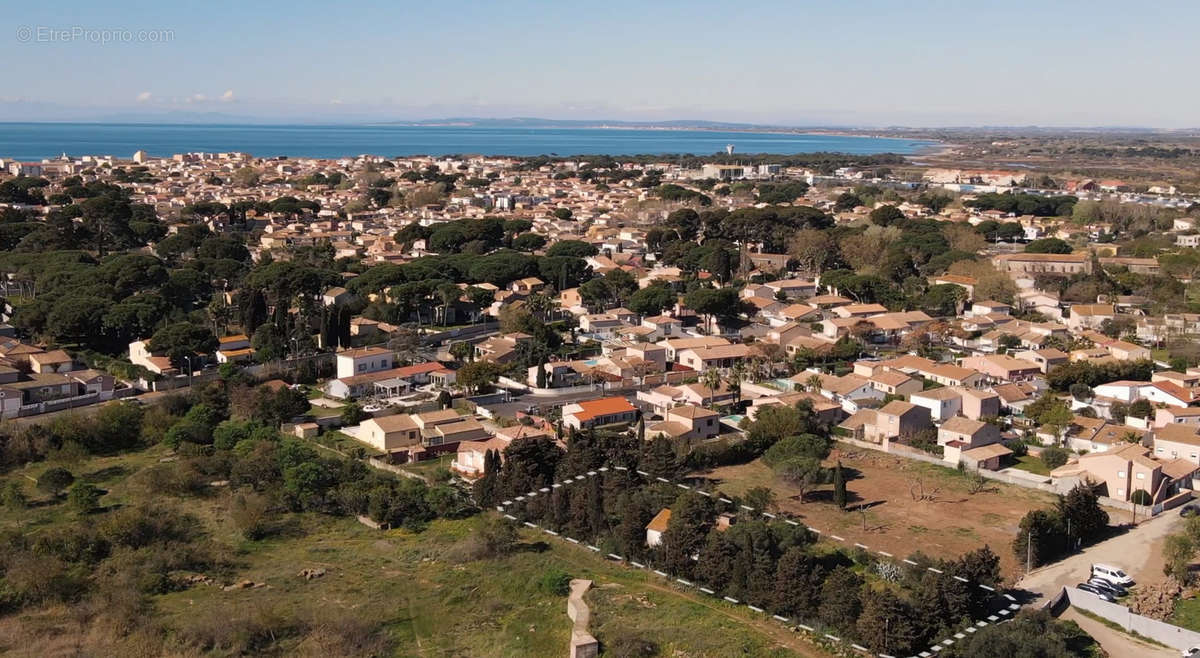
1159	631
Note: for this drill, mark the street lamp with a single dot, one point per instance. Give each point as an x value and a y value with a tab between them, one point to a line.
188	357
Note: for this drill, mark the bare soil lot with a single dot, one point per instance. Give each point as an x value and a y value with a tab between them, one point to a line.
947	521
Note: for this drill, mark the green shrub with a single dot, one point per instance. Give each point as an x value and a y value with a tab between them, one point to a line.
555	582
54	480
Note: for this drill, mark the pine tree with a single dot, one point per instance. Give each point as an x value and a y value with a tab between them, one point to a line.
641	429
541	373
839	486
659	460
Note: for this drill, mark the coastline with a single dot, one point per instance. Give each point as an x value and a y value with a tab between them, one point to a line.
33	141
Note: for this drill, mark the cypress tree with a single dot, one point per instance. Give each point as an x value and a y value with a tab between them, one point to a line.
839	486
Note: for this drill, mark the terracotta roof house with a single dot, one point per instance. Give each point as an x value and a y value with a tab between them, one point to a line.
594	413
657	526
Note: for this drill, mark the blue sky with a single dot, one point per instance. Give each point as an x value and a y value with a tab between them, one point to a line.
870	63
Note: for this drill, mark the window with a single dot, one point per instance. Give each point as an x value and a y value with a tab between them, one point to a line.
1141	476
1121	474
362	367
1120	492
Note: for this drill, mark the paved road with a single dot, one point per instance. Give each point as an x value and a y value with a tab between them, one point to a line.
1131	551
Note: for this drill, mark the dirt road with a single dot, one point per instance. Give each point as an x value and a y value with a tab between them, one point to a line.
1131	551
1116	643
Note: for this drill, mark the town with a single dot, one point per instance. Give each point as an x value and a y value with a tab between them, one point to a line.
846	342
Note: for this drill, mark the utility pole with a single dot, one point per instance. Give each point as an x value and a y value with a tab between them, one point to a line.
1029	551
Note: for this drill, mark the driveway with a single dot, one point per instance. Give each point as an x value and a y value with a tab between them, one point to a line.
1134	551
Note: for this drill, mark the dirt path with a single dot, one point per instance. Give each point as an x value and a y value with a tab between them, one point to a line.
1116	643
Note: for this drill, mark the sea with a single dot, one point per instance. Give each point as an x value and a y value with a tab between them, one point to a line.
35	141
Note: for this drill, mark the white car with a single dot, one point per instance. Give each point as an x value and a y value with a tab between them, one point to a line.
1111	574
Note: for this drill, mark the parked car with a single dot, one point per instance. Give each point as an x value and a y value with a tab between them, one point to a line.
1111	574
1191	509
1092	589
1193	652
1115	590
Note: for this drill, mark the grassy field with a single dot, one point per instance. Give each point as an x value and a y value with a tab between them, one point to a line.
396	592
433	601
1187	614
1032	464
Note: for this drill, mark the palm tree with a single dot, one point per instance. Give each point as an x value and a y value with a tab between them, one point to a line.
539	305
738	371
814	383
712	379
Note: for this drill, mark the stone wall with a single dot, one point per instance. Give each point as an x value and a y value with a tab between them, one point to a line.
583	645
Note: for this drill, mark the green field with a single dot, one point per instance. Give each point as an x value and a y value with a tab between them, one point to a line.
1032	464
396	592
